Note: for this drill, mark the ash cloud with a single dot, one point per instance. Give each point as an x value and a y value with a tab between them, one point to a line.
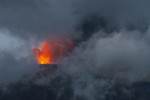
16	57
129	14
121	55
112	35
103	62
36	18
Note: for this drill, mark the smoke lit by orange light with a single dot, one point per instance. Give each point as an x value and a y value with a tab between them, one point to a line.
52	49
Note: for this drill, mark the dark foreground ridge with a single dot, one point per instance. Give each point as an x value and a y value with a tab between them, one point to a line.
28	90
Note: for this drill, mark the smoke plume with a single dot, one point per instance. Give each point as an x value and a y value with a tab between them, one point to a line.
112	40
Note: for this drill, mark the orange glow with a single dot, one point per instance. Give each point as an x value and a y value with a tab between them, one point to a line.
53	49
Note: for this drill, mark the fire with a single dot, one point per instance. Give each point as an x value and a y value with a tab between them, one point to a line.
53	49
44	54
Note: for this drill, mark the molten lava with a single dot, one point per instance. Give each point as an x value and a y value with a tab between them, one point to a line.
53	49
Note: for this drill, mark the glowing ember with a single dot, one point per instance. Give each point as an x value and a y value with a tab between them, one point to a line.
53	49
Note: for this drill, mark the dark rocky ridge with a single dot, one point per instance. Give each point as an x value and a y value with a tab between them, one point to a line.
28	90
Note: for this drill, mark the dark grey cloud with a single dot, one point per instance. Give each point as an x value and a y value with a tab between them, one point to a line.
115	34
36	19
117	14
39	18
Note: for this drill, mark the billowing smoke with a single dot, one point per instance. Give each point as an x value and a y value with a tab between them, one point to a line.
120	55
111	36
16	57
